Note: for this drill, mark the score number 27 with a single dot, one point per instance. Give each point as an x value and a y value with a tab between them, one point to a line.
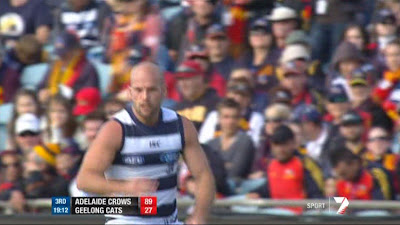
148	205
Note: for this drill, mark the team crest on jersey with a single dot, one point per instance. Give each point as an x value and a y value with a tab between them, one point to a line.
169	157
154	143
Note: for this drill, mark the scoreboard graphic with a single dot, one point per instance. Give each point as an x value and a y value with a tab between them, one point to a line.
129	206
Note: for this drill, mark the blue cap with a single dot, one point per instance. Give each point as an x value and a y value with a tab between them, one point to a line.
138	53
65	42
351	118
337	94
385	16
261	24
216	30
307	113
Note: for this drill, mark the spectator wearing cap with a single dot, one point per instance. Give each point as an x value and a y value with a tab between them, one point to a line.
391	77
337	104
234	145
385	27
289	175
385	31
199	54
67	166
70	72
329	20
259	99
24	17
192	27
284	21
39	170
59	125
361	83
275	115
281	95
263	56
379	154
27	132
74	16
217	45
315	71
346	59
121	72
240	13
250	120
351	130
87	101
197	98
315	132
294	78
355	182
25	101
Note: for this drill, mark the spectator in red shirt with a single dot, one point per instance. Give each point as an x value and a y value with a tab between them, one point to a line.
199	54
290	176
391	76
356	183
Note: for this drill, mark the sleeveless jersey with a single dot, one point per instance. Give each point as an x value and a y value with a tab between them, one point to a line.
150	152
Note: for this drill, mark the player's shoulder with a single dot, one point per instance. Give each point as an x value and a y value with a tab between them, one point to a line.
169	114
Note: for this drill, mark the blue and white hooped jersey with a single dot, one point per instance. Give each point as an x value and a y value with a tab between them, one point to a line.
150	152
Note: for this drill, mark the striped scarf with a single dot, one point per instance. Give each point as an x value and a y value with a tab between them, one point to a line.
67	76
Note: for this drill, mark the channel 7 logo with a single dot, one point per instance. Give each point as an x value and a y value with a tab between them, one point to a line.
344	203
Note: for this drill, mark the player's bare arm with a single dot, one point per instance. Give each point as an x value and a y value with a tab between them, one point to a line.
198	166
99	157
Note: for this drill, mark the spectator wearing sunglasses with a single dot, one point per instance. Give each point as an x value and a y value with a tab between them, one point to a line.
378	152
27	132
275	115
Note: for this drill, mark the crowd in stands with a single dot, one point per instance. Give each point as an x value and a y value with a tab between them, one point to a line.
292	99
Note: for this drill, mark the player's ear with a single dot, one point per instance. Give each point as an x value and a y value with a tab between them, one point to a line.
130	90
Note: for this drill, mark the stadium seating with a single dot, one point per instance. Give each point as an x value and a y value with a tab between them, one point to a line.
6	111
32	75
